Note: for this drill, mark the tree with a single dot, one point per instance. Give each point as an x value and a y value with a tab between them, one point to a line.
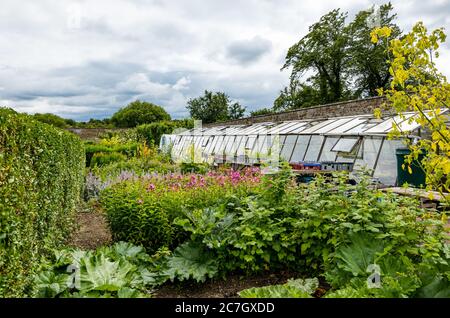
235	111
297	95
323	52
51	119
368	65
262	111
418	86
213	107
341	61
138	113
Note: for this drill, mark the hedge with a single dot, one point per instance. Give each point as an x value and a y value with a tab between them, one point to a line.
41	180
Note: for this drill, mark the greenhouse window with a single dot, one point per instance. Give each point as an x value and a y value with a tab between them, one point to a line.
345	145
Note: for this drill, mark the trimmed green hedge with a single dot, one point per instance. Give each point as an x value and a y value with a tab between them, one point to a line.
41	180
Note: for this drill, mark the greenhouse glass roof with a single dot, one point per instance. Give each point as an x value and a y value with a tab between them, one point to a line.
352	125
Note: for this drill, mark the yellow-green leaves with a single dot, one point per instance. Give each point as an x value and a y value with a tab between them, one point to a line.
383	32
417	85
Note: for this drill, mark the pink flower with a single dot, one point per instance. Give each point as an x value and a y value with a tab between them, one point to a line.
140	201
151	187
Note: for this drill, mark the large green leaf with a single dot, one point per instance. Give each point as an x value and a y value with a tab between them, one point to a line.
101	274
295	288
192	260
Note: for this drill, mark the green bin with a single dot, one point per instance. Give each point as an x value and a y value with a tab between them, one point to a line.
417	177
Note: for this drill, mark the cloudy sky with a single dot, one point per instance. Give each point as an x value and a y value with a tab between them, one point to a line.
86	59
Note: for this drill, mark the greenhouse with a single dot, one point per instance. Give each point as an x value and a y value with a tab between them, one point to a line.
342	143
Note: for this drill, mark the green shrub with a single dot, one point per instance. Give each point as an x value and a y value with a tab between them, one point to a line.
41	179
151	133
128	150
135	218
103	159
138	113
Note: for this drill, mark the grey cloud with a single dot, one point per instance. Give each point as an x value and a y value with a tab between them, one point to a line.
164	52
247	51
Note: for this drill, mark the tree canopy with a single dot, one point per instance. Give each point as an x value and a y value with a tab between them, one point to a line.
51	119
138	113
213	107
337	61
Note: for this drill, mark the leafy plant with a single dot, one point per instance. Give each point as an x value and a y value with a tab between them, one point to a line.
192	261
41	180
122	270
294	288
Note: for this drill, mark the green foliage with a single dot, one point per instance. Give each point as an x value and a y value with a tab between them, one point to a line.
51	119
294	288
137	166
151	133
262	111
340	59
368	65
322	50
136	218
192	261
41	178
103	159
138	113
213	107
418	85
127	149
141	210
193	167
122	270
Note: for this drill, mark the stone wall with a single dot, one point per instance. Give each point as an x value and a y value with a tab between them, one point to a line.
347	108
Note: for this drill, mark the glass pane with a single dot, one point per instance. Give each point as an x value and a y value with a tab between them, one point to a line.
250	142
288	146
327	154
349	125
368	151
336	123
236	144
262	144
315	144
241	146
318	125
386	170
275	143
229	147
217	145
345	144
226	141
297	128
300	148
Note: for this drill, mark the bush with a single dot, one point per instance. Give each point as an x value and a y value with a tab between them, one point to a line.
103	159
134	218
138	113
128	149
41	179
51	119
151	133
